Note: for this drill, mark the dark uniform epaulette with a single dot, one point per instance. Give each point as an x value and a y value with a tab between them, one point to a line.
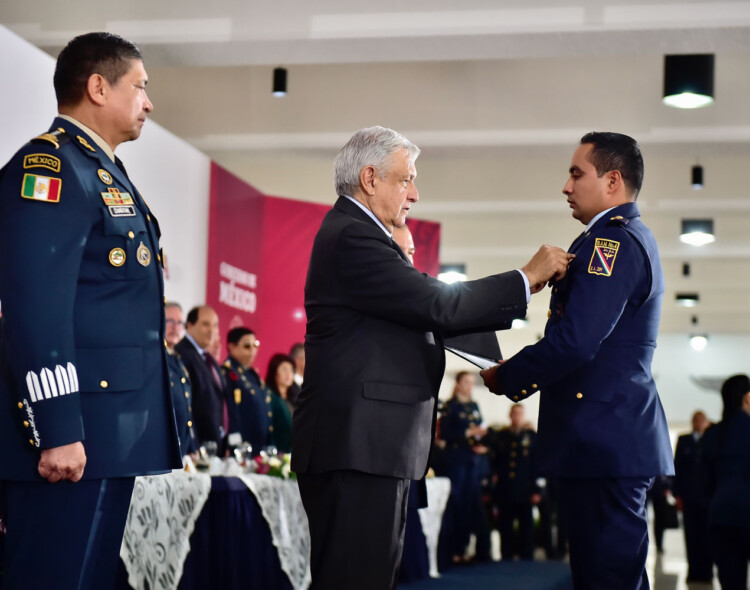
57	138
618	220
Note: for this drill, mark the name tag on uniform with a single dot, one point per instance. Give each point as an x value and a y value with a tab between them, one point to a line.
121	210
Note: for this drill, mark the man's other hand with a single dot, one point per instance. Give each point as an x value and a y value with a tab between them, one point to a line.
490	378
65	462
549	263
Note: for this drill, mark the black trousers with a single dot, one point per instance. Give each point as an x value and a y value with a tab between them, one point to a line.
514	543
732	552
64	535
608	532
697	543
357	523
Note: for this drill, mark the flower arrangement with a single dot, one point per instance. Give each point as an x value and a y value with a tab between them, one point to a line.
275	465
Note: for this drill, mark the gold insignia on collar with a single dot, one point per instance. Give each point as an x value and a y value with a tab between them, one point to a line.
84	143
143	255
117	256
104	176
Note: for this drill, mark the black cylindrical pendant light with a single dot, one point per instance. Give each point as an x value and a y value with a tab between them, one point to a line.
696	177
688	80
279	82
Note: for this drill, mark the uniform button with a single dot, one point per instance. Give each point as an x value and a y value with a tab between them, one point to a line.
511	475
515	444
165	343
103	384
554	290
187	394
512	463
25	423
534	386
165	299
148	217
515	398
523	392
131	235
549	313
579	395
270	414
31	442
20	406
190	423
183	380
270	429
158	257
513	454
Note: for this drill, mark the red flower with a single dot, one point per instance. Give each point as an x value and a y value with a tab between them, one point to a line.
233	376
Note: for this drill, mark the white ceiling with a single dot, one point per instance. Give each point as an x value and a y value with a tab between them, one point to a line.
496	93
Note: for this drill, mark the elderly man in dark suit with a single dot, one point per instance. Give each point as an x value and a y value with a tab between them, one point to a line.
366	414
602	429
85	404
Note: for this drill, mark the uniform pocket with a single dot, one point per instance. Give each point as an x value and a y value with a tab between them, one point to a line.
110	369
399	393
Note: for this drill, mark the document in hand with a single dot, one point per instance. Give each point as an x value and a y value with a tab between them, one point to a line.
482	362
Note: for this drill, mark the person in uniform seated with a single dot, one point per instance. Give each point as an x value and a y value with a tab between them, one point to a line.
279	379
516	490
725	472
461	429
179	379
85	405
249	396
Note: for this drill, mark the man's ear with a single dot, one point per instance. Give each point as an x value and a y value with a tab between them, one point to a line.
367	178
97	89
614	181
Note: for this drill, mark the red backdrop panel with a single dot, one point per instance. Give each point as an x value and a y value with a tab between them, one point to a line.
258	251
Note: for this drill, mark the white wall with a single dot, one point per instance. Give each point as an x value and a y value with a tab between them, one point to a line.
172	175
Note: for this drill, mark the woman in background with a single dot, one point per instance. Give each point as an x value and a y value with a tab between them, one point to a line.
725	462
279	379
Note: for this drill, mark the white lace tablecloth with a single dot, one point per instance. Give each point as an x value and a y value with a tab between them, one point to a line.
162	515
282	508
438	491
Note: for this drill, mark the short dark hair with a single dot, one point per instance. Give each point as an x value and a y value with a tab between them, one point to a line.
194	314
732	392
236	334
93	53
615	151
296	348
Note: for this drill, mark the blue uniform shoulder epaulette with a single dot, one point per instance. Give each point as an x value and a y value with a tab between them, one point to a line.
618	220
57	138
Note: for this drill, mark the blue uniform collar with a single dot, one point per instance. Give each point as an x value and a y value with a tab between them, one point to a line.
627	210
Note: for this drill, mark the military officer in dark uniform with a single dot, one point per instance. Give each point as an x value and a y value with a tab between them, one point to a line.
602	429
85	404
246	391
461	429
516	490
179	379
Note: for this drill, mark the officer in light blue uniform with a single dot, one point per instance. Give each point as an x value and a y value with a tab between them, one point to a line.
602	429
85	404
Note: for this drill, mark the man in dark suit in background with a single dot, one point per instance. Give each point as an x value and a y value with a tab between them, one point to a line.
366	414
85	404
602	429
210	409
693	501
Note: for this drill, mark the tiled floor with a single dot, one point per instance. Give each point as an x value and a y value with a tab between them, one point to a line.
669	570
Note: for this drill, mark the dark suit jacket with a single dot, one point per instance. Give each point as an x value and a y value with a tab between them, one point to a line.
686	484
373	367
81	284
208	398
725	466
599	414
